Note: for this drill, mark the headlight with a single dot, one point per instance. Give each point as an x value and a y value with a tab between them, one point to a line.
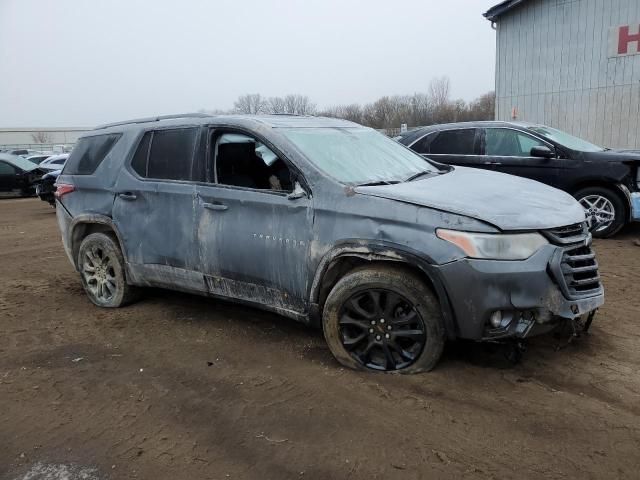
517	246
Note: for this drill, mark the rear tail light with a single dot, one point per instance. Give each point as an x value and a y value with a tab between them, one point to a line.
62	189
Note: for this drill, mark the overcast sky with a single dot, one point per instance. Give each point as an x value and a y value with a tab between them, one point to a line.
79	62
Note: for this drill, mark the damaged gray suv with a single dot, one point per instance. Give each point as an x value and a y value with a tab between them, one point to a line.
329	223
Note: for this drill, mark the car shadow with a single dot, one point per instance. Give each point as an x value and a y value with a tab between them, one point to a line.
201	311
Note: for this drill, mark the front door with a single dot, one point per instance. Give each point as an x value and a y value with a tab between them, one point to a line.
254	230
154	210
509	151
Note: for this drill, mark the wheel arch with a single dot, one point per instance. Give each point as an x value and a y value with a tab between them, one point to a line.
344	258
84	225
616	188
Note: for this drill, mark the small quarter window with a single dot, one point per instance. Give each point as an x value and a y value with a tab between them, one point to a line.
139	162
422	145
89	153
455	142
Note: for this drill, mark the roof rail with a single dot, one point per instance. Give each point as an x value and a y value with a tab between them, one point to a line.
154	119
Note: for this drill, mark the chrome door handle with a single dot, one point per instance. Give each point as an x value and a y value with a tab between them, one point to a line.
492	163
127	196
215	206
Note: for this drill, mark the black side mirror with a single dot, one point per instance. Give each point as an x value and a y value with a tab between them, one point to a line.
542	152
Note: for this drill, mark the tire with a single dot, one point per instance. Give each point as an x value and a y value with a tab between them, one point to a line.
599	203
102	271
405	306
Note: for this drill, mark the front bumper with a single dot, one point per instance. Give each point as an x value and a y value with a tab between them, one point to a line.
635	206
525	291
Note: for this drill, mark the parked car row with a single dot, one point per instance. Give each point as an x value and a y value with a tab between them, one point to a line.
606	182
26	175
334	225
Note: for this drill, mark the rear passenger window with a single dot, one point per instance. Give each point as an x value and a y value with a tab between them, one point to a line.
454	142
166	154
89	153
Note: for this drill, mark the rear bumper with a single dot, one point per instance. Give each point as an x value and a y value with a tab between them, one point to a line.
64	223
526	293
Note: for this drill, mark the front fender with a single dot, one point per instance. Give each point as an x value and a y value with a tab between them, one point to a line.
381	252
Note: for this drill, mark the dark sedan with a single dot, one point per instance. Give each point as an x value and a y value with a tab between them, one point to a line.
606	182
17	175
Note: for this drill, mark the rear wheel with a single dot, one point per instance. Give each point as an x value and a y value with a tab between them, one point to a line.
604	208
102	271
384	319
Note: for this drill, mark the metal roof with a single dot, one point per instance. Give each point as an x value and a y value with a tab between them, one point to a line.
500	9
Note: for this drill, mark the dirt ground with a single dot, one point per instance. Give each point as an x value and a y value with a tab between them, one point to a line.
183	387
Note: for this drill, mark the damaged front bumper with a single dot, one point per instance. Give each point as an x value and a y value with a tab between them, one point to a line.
527	294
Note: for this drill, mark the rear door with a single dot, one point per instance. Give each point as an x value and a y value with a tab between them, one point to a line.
154	210
509	151
460	146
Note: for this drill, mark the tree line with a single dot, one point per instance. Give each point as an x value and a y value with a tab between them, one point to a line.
419	109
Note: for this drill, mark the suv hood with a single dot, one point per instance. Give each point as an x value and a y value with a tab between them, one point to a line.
505	201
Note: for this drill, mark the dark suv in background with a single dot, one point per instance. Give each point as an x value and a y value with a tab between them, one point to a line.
329	223
605	182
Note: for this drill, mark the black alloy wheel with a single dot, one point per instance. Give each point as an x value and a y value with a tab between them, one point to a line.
382	330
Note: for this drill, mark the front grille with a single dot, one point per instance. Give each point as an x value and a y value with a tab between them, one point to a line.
576	269
576	233
580	271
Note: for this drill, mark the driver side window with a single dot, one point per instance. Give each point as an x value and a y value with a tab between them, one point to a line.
243	161
504	142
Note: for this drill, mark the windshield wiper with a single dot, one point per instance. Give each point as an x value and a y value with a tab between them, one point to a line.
419	174
377	182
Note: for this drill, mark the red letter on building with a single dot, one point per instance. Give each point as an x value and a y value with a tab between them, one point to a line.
625	38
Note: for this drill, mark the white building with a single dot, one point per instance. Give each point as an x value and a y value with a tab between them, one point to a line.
37	137
571	64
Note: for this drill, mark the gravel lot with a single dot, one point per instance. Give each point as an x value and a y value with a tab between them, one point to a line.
183	387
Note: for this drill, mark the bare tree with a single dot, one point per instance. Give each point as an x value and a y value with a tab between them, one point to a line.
483	108
352	113
276	105
419	109
299	105
41	137
439	91
291	104
252	104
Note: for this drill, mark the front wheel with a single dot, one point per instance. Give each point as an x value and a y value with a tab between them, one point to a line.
384	319
604	209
